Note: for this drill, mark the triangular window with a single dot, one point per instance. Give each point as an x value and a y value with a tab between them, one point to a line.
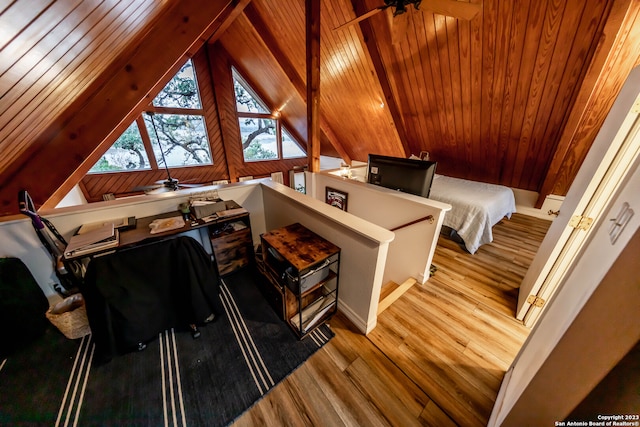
246	99
261	133
181	138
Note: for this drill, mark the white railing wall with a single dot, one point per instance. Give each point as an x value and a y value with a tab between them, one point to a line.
411	252
364	247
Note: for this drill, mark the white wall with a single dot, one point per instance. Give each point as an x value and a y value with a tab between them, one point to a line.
19	239
271	205
73	198
411	252
363	247
588	266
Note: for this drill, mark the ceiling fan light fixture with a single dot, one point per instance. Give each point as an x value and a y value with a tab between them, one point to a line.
400	8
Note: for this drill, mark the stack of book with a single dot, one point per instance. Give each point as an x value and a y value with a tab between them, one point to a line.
93	240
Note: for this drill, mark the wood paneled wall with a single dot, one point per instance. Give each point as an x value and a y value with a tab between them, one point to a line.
514	96
52	53
488	98
59	156
223	82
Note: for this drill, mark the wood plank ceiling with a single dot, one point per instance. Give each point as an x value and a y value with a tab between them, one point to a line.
514	96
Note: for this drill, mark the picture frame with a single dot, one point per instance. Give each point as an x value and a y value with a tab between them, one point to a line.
336	198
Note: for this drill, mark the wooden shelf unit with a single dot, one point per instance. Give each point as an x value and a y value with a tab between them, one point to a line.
302	271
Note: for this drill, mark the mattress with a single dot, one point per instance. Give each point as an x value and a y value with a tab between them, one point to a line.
475	207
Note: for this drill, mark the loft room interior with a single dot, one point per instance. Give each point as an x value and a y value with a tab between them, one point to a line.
511	114
513	96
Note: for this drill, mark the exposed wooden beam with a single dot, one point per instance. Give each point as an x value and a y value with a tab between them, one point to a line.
227	17
290	71
312	20
177	33
220	65
372	47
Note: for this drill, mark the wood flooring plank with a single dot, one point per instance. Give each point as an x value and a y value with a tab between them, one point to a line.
352	407
437	355
434	416
375	388
453	395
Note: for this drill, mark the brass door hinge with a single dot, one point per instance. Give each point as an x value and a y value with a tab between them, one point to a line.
635	108
535	301
580	222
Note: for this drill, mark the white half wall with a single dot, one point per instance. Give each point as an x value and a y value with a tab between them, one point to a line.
411	252
19	239
271	205
363	245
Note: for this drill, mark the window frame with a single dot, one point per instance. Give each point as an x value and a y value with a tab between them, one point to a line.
236	75
147	141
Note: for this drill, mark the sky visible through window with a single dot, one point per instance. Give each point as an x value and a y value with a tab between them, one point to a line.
183	137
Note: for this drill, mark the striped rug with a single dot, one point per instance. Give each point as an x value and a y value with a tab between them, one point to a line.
175	381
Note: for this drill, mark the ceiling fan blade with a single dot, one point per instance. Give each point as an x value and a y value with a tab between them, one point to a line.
453	8
146	187
361	17
159	190
190	185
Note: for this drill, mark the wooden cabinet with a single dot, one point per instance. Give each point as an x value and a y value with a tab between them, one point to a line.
231	243
302	271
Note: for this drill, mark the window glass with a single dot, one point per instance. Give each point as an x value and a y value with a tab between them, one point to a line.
246	100
127	153
259	130
258	138
183	139
290	148
181	91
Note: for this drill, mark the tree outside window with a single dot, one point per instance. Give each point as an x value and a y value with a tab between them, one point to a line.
128	153
262	135
179	120
183	139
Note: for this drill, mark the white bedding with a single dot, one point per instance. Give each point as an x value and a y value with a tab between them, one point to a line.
475	207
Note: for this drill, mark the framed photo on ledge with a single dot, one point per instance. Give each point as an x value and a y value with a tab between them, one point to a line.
336	198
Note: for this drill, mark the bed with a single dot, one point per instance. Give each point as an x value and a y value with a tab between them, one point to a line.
475	207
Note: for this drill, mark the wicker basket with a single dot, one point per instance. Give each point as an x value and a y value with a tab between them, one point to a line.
70	317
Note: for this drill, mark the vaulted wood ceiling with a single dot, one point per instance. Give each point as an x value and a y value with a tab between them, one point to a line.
514	96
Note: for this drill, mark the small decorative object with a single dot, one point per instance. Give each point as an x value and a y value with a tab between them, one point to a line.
336	198
185	209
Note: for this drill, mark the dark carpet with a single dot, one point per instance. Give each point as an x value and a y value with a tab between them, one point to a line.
175	381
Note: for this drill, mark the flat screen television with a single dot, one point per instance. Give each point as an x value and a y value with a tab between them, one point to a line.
407	175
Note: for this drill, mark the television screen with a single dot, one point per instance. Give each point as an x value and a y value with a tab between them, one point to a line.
407	175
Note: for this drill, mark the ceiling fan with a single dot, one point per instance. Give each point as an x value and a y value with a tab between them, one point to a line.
166	185
454	8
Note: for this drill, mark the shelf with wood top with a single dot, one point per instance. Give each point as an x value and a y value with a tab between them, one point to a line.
302	271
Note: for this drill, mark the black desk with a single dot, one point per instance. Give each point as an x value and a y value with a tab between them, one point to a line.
230	251
142	232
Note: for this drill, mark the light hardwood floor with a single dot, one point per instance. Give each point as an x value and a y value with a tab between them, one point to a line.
437	355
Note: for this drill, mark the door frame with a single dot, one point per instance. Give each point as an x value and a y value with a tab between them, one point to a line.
608	162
